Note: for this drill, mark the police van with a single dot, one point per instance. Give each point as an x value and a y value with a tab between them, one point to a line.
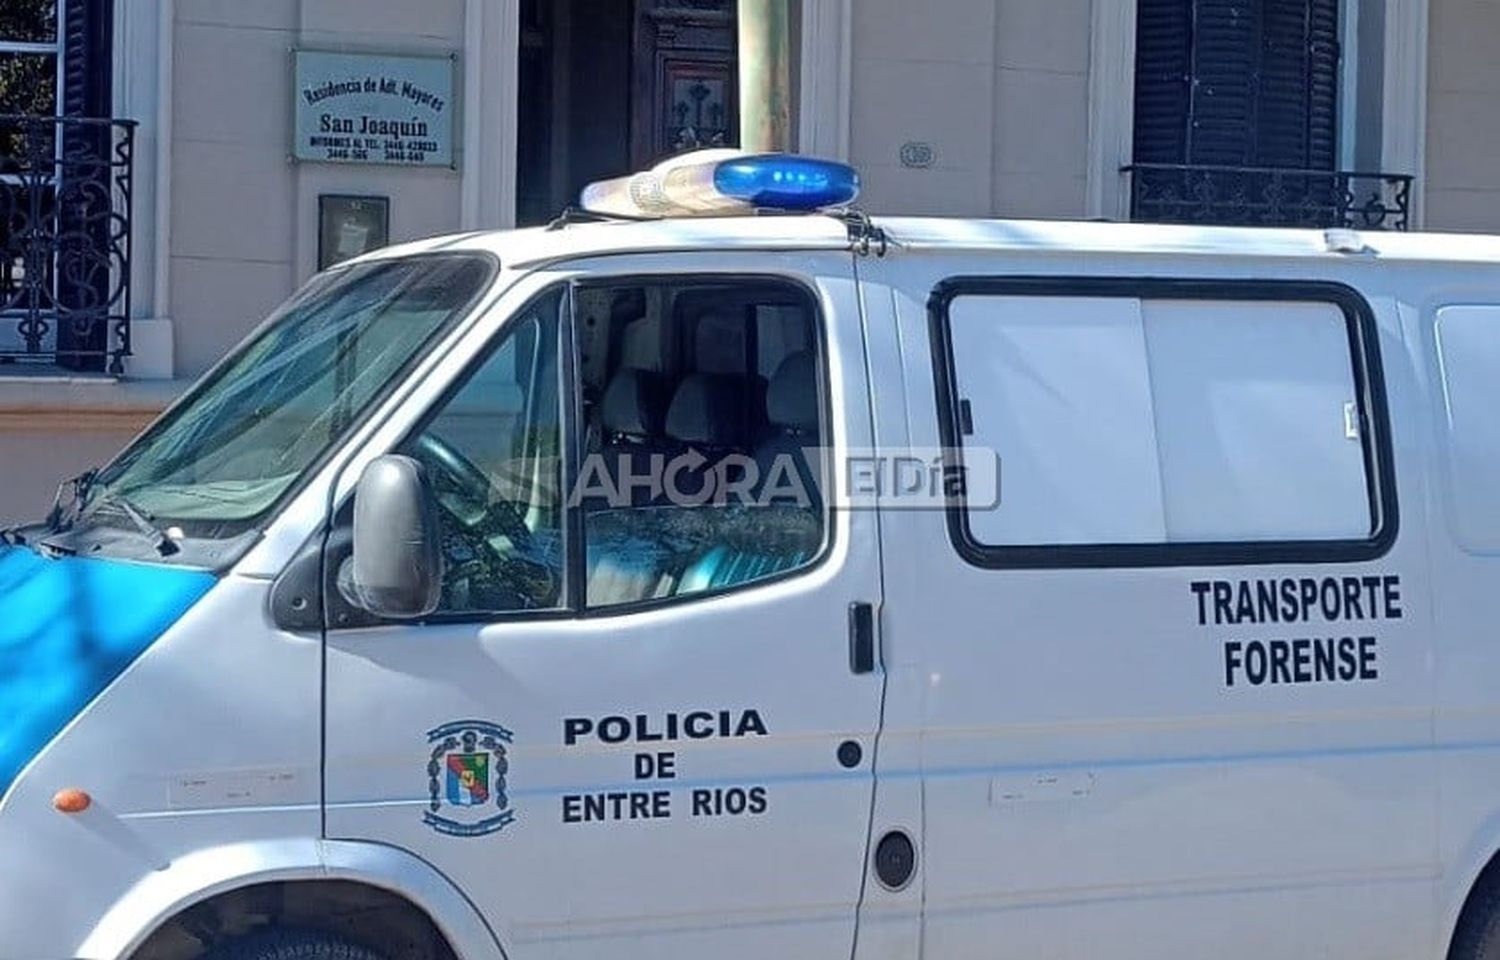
680	582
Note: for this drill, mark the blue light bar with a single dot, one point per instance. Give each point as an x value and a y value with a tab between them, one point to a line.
725	183
787	182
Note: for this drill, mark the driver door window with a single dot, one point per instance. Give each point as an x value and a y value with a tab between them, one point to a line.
700	423
492	452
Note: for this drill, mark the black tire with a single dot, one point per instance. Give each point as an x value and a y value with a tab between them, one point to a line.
1478	933
285	944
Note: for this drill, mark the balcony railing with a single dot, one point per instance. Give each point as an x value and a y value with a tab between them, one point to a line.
1268	197
65	194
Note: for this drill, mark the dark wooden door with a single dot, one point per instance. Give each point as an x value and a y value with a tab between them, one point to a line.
684	88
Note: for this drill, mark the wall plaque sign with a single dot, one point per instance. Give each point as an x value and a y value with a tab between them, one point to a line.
373	108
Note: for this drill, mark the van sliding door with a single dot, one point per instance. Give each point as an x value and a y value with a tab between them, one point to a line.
1166	681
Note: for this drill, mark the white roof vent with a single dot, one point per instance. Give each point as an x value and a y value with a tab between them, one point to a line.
1340	240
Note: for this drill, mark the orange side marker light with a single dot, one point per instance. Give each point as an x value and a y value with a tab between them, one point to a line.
71	800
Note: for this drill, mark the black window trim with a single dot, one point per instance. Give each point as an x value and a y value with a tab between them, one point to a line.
823	343
1369	382
572	602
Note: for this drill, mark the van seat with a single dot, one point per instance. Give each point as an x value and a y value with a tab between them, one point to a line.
631	415
792	434
771	536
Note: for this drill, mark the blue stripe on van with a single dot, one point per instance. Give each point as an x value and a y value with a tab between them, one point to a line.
68	627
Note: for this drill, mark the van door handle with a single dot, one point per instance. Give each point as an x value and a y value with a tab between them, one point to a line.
861	637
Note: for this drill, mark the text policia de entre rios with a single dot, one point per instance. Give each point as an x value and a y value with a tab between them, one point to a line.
652	801
1340	654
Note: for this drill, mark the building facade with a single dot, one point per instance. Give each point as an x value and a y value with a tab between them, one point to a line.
136	252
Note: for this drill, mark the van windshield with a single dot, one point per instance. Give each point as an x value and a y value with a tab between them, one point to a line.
221	459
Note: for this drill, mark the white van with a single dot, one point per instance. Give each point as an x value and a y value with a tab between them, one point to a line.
647	589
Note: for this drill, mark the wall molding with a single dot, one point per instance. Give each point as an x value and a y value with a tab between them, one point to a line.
1348	94
55	422
141	65
825	69
135	98
61	404
490	114
1111	107
1403	124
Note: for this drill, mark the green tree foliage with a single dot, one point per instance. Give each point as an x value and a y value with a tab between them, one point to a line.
28	83
28	21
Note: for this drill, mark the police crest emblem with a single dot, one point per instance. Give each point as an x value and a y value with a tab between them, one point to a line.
466	779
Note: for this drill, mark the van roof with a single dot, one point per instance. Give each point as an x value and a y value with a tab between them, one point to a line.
536	246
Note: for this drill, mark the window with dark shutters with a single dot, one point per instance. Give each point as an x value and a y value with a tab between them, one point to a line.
1226	57
86	65
1237	82
86	76
65	186
1163	68
55	57
1297	115
1231	94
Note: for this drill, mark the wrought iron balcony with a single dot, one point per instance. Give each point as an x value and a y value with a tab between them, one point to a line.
1268	197
65	193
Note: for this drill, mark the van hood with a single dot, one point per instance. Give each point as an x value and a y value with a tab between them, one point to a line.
68	627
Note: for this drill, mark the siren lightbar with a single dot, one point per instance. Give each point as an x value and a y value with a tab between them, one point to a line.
725	182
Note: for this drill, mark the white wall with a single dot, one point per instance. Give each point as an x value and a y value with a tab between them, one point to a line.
1463	117
244	218
36	456
998	88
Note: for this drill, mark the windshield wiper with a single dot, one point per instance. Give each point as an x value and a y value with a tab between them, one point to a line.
164	544
81	485
54	520
84	497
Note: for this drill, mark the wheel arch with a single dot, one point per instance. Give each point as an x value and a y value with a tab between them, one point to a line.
1478	862
191	880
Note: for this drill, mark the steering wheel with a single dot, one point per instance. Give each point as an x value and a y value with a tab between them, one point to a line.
461	490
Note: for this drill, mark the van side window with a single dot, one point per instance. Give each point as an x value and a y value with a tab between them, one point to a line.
703	430
1468	339
1158	428
491	450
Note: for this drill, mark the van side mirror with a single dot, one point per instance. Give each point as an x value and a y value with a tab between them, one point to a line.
396	570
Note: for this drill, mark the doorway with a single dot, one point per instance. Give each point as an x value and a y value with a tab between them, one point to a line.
611	86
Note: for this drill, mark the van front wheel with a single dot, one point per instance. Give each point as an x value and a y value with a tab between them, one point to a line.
283	944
